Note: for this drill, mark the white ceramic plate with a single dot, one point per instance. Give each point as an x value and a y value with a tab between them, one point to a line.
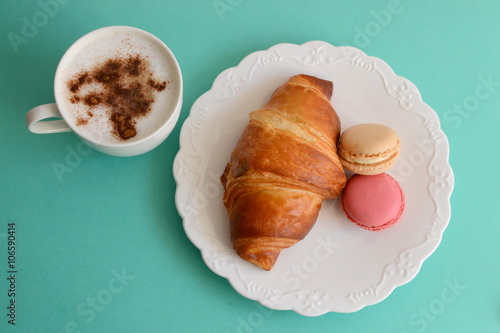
338	266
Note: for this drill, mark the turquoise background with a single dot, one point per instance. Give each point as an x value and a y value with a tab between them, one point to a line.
110	229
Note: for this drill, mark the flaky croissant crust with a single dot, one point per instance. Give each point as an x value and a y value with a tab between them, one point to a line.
281	169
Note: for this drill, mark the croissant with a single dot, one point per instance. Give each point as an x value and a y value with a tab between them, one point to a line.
282	168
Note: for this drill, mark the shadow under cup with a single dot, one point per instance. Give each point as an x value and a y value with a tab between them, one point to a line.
119	89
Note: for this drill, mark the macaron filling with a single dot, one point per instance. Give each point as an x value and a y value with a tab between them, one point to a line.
374	158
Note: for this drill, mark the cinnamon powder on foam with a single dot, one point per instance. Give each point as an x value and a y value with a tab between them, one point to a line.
126	88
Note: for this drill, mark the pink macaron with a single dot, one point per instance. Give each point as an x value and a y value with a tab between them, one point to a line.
373	202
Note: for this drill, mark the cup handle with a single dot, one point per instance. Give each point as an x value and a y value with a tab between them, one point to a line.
37	120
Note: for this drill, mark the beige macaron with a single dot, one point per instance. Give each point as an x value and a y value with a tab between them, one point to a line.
368	149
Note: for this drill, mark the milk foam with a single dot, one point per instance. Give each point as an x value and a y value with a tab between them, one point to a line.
91	51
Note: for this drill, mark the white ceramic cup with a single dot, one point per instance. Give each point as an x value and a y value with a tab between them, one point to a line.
94	48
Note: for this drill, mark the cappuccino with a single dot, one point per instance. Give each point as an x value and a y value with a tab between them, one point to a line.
116	87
